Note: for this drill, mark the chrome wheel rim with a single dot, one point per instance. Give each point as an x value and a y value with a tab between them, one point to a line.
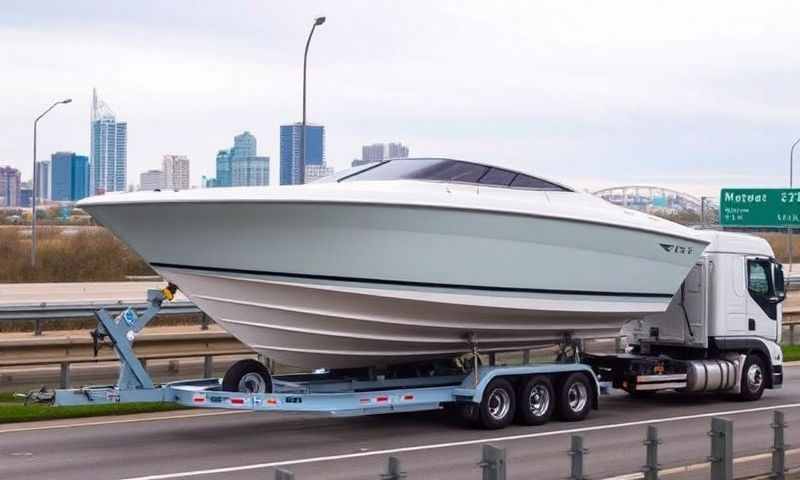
539	400
755	377
499	403
577	396
252	383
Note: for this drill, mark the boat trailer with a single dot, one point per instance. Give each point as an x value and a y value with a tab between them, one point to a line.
323	392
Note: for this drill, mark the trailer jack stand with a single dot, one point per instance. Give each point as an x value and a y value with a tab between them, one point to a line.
120	332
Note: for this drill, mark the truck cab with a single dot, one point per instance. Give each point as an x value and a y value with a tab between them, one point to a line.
721	331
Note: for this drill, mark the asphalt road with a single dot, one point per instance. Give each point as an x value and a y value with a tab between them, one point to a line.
243	445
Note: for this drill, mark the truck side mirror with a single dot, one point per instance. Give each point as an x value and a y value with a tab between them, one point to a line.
778	283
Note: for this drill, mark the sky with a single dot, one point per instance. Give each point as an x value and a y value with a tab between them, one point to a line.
682	94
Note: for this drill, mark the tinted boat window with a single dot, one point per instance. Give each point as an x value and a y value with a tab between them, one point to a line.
444	170
497	176
424	169
453	171
525	181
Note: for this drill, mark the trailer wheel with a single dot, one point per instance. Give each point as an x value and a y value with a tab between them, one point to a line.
498	405
247	376
754	378
574	398
536	401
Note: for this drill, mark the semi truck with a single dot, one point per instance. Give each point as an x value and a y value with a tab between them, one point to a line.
721	333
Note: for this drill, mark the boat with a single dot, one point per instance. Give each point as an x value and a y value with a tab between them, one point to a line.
405	260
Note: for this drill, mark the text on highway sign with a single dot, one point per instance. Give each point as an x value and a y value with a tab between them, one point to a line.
759	207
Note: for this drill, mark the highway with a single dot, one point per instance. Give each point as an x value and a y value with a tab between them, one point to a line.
207	444
77	292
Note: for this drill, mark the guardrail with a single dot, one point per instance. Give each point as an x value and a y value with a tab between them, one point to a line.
43	312
66	351
493	464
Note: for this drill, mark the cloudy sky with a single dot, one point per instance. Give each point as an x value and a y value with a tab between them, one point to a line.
691	95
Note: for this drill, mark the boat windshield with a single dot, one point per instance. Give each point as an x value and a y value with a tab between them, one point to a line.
444	170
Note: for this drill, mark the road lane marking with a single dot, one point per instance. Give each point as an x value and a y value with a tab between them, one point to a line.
390	451
129	420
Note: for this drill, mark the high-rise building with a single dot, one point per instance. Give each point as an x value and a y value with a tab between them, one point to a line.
109	144
378	152
396	150
70	177
372	153
176	172
241	165
151	180
9	187
315	172
43	180
223	168
249	171
26	197
290	151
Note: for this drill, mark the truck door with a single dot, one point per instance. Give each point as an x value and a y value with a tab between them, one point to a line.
762	310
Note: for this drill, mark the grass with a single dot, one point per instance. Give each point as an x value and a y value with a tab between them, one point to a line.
90	254
791	353
13	410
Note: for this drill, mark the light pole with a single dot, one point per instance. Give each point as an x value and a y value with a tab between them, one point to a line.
791	185
36	181
302	176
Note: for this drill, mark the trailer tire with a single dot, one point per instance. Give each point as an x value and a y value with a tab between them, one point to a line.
574	397
247	376
754	378
536	401
498	405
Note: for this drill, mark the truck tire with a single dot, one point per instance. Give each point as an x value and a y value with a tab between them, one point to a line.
574	397
536	401
754	378
497	408
247	376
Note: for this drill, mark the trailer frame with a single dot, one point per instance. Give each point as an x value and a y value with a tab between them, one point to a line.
322	392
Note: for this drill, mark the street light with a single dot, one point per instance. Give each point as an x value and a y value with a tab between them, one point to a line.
302	178
36	180
791	185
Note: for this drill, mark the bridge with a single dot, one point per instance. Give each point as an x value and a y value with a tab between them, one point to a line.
647	197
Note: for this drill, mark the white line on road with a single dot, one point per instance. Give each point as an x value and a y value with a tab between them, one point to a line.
130	420
283	463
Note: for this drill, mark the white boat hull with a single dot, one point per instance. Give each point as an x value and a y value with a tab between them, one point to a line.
330	324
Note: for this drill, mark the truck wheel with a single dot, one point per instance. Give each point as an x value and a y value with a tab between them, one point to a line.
574	398
535	401
247	376
497	406
754	378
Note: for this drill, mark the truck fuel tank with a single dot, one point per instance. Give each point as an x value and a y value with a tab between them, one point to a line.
711	375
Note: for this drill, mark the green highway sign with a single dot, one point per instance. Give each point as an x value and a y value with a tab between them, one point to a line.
759	207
